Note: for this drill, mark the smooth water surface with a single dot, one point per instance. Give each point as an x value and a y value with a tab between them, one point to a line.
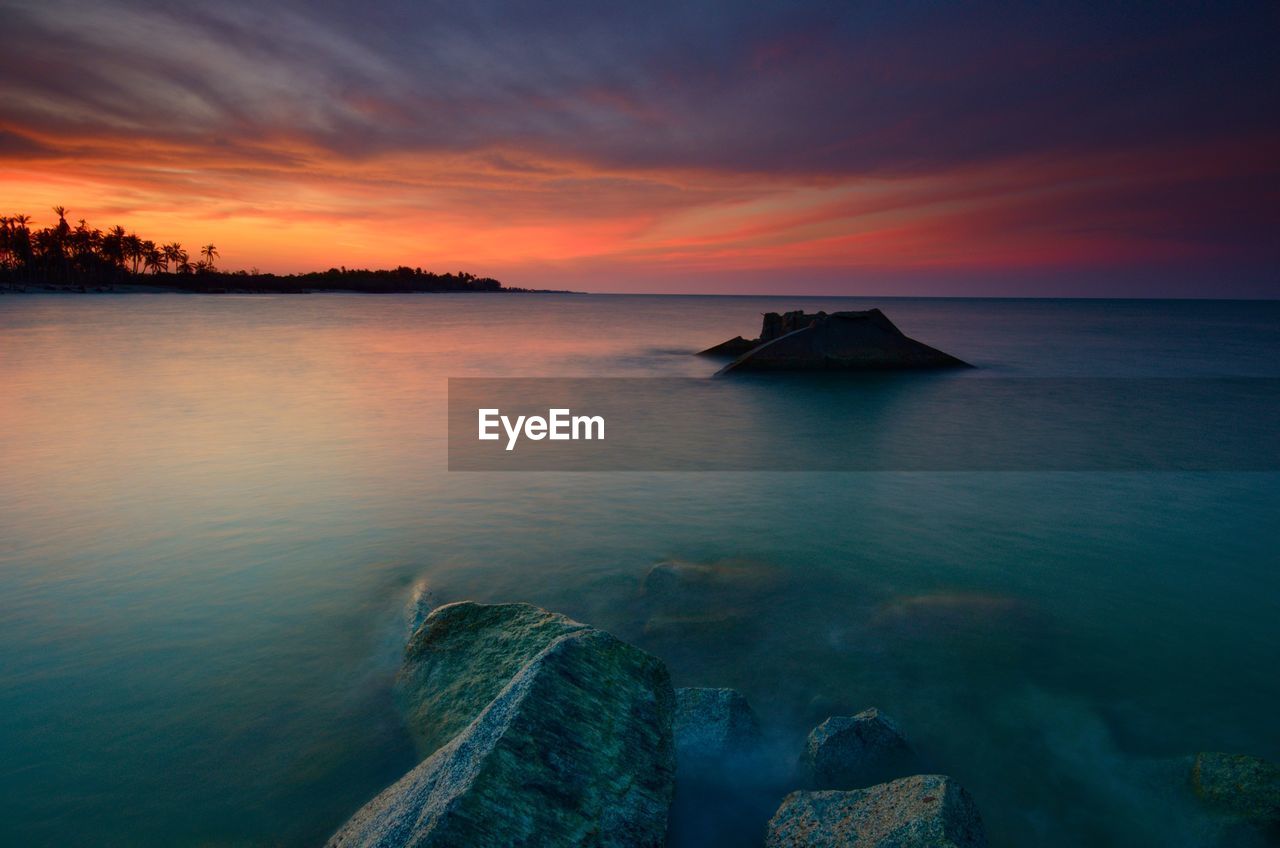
213	511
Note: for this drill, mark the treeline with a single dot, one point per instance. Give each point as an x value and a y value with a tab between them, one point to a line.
85	257
88	256
400	279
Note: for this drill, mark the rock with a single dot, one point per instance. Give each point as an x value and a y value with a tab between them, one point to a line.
461	657
712	725
777	325
846	752
717	600
576	748
673	579
773	326
733	348
1238	785
844	341
924	811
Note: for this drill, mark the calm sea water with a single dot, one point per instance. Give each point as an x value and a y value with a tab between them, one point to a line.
213	511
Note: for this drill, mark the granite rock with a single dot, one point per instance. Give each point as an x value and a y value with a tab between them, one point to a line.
922	811
846	752
712	725
1241	786
461	657
575	748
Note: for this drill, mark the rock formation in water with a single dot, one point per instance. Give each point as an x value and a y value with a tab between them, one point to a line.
1243	787
730	349
773	326
548	732
923	811
540	730
848	752
712	726
706	599
840	341
461	657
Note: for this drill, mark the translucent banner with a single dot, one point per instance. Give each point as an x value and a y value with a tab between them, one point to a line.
894	422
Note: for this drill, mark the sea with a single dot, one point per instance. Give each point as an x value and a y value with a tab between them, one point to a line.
217	514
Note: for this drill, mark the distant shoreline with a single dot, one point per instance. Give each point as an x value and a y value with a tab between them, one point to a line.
138	288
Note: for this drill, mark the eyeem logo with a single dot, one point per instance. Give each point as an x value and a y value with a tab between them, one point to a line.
560	425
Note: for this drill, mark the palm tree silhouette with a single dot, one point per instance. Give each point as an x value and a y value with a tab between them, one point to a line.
210	253
134	250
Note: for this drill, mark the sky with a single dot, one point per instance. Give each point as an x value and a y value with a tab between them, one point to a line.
787	148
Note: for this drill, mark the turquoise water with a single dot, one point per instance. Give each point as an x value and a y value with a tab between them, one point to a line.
213	511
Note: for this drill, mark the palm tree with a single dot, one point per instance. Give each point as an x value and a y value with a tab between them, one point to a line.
113	246
210	253
63	226
20	239
134	250
174	253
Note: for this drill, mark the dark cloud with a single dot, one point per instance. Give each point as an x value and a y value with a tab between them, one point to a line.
783	88
14	144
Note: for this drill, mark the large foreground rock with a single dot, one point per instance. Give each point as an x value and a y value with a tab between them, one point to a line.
1245	787
847	752
462	656
712	726
841	341
575	748
924	811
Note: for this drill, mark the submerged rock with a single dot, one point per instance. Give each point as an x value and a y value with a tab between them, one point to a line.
846	752
845	341
923	811
718	600
1239	785
574	748
674	578
462	656
712	725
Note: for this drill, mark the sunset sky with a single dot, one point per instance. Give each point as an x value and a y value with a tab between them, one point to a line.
800	148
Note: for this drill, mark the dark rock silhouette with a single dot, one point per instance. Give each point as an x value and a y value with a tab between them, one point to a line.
731	349
924	811
773	325
841	341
